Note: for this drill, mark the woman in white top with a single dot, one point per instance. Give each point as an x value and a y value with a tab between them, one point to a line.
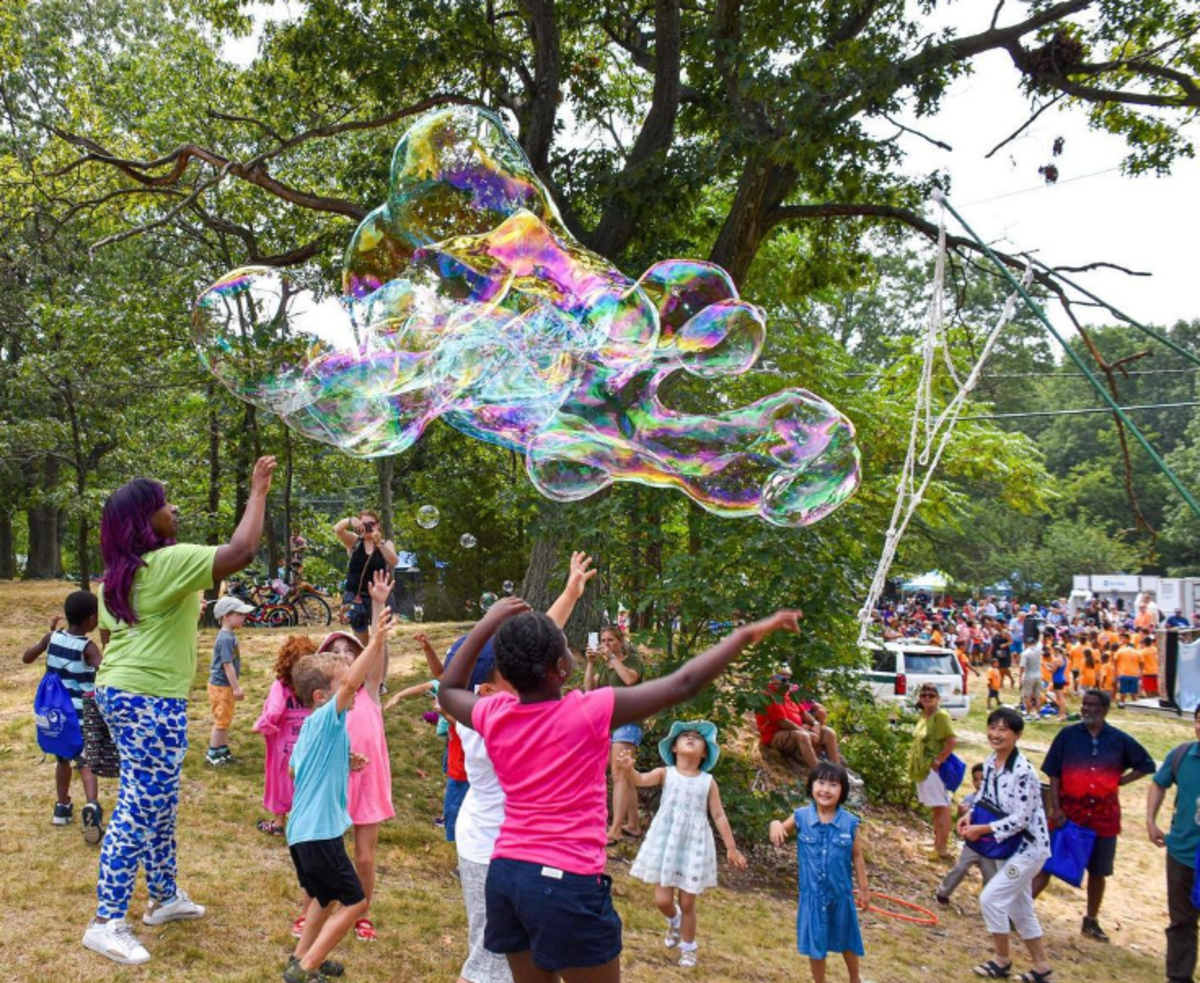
1012	786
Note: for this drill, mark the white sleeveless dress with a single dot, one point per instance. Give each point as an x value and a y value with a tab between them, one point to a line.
679	849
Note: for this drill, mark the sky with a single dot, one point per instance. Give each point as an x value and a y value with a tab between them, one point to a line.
1093	213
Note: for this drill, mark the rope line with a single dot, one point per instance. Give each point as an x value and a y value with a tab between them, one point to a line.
1040	314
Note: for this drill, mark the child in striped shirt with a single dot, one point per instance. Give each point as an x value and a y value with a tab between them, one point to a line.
73	657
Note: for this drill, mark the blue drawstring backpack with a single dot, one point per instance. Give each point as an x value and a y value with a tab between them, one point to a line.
58	730
952	771
1070	850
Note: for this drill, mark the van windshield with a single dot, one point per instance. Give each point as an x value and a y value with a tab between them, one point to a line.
925	664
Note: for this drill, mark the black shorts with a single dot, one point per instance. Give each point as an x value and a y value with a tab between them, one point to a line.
1104	852
567	921
1059	687
326	873
993	693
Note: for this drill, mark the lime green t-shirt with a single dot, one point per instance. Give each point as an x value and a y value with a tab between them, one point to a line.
928	740
157	656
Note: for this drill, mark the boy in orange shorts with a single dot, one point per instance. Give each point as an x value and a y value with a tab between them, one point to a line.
223	686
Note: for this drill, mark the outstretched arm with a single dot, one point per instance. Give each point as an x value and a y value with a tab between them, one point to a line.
455	694
36	649
436	668
238	553
363	665
380	590
721	821
577	581
636	703
780	831
647	779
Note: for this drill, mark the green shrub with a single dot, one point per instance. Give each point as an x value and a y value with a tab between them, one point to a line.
874	742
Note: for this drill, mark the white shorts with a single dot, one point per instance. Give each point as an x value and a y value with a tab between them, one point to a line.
1007	896
932	791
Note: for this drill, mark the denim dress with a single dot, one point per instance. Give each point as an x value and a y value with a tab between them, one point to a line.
827	920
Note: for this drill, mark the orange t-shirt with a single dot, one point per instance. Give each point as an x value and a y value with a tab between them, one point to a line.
1144	620
1105	637
1076	661
1150	660
993	679
1129	662
1087	676
1047	667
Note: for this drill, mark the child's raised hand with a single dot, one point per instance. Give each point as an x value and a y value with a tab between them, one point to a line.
357	761
386	621
581	573
504	609
55	622
778	836
736	858
421	638
624	761
787	620
380	587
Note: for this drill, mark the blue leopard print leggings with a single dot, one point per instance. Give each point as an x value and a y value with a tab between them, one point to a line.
151	735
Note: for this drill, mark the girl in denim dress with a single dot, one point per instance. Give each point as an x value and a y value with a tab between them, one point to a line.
827	849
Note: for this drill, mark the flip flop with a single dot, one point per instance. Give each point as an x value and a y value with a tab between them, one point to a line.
631	834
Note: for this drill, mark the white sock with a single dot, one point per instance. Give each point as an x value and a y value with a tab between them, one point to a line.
676	918
688	946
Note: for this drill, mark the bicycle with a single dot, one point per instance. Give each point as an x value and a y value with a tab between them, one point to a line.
281	605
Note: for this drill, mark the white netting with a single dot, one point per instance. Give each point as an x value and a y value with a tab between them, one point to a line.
930	434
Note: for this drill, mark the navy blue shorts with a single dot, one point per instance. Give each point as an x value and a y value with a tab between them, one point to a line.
1104	852
456	791
567	921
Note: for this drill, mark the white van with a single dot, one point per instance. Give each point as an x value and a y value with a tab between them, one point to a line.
896	671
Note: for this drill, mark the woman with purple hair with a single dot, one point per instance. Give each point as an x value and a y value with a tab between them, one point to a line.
149	606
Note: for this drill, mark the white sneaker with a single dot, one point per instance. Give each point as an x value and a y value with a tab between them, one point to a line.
671	939
115	939
179	907
687	957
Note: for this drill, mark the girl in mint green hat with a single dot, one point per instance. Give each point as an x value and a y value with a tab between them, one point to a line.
679	852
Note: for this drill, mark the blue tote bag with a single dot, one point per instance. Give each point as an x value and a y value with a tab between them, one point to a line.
952	771
1070	850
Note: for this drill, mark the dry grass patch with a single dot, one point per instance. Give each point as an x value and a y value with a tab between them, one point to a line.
747	927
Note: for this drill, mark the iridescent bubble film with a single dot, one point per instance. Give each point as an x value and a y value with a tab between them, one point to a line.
486	600
466	299
509	587
428	516
467	541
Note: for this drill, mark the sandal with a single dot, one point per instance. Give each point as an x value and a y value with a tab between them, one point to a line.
1033	976
270	827
364	931
993	970
631	834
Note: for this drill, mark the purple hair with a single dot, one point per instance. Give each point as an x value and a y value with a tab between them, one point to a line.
125	537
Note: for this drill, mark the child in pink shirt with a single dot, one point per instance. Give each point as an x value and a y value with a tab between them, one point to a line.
550	753
282	717
370	795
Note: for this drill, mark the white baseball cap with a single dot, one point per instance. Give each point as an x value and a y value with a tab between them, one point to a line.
230	605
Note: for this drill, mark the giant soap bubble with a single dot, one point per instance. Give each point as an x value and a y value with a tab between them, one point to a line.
466	299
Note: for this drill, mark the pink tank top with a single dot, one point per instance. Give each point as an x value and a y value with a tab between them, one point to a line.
370	799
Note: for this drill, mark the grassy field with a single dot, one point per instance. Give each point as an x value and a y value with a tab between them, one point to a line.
47	874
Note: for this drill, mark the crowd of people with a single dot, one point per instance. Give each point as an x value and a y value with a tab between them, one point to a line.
529	759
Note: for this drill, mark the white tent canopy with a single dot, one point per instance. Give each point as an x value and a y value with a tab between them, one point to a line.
935	581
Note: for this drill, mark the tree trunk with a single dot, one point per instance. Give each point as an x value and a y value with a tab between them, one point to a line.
45	544
45	551
384	469
8	558
547	573
761	189
85	567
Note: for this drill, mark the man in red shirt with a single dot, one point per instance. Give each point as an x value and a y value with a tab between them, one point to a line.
792	728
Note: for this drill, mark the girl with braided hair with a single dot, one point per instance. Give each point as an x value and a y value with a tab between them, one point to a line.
549	905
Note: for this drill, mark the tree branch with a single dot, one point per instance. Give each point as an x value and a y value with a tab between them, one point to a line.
917	133
547	66
617	222
1024	126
